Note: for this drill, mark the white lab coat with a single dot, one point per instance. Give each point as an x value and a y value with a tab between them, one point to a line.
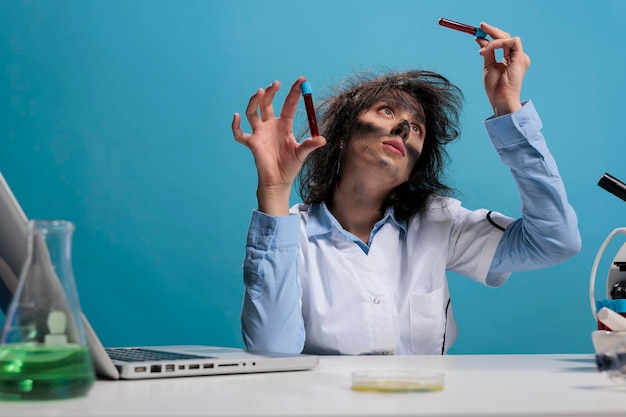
393	299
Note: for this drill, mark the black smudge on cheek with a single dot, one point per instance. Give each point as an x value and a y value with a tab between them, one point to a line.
412	153
364	129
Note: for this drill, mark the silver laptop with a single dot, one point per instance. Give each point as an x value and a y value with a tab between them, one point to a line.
135	362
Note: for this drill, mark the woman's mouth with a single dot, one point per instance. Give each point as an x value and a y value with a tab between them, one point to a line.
395	146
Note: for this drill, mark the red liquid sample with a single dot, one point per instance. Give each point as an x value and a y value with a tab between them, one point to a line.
310	114
602	326
462	27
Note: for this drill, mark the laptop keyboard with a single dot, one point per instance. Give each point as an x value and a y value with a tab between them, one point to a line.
145	355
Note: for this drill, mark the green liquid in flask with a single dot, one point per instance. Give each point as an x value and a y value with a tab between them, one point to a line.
39	372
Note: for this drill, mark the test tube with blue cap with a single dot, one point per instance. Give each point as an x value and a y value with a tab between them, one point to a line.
462	27
307	95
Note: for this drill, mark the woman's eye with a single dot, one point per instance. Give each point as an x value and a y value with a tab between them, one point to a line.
386	111
416	128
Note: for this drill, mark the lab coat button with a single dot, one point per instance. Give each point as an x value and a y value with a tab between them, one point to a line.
376	300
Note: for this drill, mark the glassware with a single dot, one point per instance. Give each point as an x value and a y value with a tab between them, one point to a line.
43	349
397	380
609	351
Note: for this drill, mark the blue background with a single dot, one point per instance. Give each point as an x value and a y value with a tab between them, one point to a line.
116	115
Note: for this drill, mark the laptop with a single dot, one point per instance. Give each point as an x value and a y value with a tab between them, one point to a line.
140	362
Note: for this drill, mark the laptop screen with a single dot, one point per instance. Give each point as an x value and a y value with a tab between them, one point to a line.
13	241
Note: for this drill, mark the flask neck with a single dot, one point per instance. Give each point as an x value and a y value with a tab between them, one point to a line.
52	239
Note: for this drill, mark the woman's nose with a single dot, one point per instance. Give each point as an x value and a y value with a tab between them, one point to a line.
402	130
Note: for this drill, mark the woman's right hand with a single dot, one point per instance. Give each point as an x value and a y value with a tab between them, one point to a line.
277	155
503	79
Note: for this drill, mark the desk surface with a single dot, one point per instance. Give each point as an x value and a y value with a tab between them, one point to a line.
476	385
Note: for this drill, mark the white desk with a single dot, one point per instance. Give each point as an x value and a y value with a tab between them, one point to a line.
475	385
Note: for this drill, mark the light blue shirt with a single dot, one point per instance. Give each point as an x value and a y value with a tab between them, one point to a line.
313	286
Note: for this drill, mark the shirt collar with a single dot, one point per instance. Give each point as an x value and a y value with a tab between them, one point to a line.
321	221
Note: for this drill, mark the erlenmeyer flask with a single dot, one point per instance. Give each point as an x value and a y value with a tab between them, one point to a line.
43	349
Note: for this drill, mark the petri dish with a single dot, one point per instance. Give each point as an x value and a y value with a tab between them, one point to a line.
397	381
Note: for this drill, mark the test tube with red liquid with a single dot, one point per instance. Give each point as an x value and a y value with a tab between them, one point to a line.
305	87
462	27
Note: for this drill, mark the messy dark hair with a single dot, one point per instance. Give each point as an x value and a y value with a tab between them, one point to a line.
441	103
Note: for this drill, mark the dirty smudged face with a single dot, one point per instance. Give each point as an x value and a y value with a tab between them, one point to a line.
388	138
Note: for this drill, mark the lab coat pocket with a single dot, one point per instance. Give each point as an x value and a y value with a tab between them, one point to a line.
428	322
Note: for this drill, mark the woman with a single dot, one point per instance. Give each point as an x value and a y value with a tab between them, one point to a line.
360	268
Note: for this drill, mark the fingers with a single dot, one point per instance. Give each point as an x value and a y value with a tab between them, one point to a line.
512	51
252	110
267	110
511	47
262	102
237	132
488	53
293	98
494	32
487	48
308	146
260	110
482	42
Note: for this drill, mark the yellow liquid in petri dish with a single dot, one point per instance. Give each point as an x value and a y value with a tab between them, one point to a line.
397	382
